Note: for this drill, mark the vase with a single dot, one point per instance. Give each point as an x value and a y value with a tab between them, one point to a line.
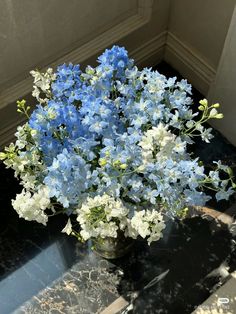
111	248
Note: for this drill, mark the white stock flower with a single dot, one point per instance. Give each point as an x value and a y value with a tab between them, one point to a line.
115	208
213	112
156	137
28	181
31	206
179	146
107	229
146	223
159	143
96	216
68	228
42	84
139	224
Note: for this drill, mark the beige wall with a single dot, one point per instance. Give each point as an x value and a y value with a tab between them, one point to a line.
202	24
223	89
202	28
157	24
33	33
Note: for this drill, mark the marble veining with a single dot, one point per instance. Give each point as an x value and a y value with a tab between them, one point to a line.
83	289
91	283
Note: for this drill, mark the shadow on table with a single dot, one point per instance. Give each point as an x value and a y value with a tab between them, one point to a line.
190	250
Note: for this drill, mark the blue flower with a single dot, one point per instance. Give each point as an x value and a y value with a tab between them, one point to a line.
56	125
117	58
68	178
224	194
67	84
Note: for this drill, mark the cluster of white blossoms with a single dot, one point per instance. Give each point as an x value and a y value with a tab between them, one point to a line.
103	216
146	223
32	206
159	142
23	156
42	84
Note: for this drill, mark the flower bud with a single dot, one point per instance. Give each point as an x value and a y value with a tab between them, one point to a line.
230	171
201	108
141	168
21	103
89	70
203	102
217	105
219	116
33	133
3	156
102	162
123	166
116	163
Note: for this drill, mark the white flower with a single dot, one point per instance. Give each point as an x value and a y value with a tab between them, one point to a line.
86	234
28	181
107	229
96	216
130	231
115	208
158	143
42	84
68	228
139	224
31	206
147	224
213	112
156	137
179	146
190	124
206	135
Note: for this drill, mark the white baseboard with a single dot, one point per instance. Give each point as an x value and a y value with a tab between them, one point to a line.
150	53
163	46
189	63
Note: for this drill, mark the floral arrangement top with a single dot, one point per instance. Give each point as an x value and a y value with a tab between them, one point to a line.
110	145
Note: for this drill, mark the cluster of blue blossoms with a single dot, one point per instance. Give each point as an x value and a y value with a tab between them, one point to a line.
117	130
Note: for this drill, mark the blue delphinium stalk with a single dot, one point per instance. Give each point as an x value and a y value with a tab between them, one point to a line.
67	84
56	125
68	177
117	58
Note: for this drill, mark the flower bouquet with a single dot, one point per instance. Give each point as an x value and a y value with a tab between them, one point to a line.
110	145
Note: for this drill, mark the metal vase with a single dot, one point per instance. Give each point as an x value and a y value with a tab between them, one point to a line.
111	248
